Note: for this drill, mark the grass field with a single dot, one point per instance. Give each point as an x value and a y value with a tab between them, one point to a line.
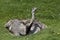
48	12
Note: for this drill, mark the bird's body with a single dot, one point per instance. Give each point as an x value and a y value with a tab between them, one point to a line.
24	27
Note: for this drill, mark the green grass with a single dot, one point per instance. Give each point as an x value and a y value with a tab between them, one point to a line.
48	12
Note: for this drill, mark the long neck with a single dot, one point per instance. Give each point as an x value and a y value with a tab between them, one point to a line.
33	16
31	21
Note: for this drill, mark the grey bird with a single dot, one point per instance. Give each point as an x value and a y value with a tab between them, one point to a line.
25	27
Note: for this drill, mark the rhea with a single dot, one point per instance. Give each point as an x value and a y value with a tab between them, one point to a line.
25	27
